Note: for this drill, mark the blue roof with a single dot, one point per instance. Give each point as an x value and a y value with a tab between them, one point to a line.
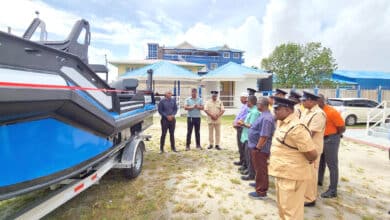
343	81
236	71
163	70
362	74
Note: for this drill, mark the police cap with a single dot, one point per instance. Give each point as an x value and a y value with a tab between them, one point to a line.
251	91
279	91
214	93
283	102
309	96
295	95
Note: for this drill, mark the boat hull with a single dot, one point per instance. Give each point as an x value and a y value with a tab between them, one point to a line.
58	119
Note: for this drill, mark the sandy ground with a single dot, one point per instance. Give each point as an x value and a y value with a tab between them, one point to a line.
204	184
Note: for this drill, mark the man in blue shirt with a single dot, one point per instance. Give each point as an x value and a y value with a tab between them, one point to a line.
241	116
259	142
167	109
251	117
193	105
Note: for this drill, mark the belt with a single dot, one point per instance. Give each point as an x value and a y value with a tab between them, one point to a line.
329	135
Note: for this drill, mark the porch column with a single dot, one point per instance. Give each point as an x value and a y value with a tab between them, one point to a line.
174	88
178	87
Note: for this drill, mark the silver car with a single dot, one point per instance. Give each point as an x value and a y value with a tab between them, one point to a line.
354	110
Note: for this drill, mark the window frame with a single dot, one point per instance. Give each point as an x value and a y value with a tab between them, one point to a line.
226	57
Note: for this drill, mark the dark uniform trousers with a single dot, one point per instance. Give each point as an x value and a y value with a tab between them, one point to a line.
329	157
241	147
165	126
259	161
191	123
251	171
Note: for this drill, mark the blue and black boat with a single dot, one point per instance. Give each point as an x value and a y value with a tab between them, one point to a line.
58	118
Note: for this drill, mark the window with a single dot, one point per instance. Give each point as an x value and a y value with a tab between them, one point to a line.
372	104
334	102
213	66
360	103
226	55
236	55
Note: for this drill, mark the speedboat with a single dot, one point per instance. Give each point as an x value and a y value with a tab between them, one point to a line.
58	118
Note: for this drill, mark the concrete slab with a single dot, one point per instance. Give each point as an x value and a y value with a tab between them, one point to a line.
359	135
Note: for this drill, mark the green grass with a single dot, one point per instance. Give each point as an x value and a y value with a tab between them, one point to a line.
235	181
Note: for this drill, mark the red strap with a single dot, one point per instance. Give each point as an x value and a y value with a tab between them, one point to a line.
45	86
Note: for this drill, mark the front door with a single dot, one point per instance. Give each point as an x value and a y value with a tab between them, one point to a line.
227	93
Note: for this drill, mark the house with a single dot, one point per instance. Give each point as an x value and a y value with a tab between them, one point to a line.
212	57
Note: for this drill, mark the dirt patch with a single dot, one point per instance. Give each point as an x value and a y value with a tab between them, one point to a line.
204	184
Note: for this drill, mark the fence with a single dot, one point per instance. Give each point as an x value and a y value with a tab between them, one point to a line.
161	87
378	94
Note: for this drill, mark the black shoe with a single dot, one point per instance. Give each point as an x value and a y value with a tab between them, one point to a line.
199	147
237	163
210	147
329	194
252	185
174	150
254	195
247	177
241	168
161	152
187	148
310	204
244	172
218	147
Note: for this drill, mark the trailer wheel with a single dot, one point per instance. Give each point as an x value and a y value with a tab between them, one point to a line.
135	170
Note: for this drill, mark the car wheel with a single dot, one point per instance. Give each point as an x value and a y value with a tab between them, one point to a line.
350	120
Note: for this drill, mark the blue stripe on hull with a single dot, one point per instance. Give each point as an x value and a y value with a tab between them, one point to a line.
34	149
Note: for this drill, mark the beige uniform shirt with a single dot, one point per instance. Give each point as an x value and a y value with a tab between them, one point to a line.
214	108
315	120
298	110
286	162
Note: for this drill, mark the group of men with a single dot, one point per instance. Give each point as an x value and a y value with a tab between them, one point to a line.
290	138
293	143
213	108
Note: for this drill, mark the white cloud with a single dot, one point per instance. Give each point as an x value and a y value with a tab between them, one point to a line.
18	15
245	37
357	31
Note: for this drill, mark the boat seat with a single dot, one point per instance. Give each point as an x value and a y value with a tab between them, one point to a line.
129	85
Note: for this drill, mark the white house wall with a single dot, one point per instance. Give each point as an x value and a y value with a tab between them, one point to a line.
208	87
241	86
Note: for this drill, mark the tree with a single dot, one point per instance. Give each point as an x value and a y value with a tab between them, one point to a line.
301	65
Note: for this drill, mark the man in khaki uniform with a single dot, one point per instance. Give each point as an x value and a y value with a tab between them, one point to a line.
292	153
315	119
298	108
214	109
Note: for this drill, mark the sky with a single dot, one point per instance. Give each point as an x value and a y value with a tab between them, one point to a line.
358	32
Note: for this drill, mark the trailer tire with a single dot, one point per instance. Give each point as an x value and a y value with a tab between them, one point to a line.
135	170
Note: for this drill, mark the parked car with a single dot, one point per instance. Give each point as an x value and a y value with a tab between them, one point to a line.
354	110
